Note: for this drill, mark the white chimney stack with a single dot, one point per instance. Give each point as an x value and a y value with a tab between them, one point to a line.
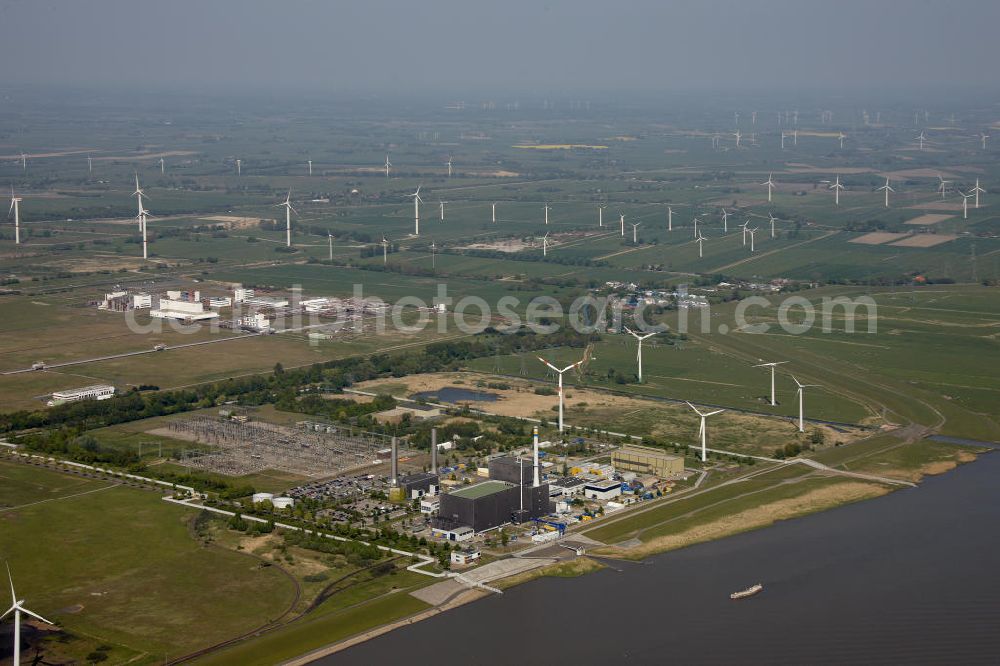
537	480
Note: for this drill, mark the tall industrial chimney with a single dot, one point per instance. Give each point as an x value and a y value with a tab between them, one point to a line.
394	473
537	480
434	450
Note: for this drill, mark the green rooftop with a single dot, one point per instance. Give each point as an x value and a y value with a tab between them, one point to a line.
483	489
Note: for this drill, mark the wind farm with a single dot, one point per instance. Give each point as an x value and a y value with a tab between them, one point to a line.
255	408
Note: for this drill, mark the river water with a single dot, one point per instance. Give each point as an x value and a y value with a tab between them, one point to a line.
912	577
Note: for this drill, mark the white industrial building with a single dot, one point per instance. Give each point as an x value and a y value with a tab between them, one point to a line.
181	309
283	502
219	301
262	497
96	392
464	557
602	490
429	504
256	322
240	295
142	301
266	302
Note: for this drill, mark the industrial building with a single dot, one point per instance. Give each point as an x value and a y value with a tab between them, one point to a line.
465	557
567	486
96	392
416	413
182	309
602	490
415	486
489	504
511	470
647	460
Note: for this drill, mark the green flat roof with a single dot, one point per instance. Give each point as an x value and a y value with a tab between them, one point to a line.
477	490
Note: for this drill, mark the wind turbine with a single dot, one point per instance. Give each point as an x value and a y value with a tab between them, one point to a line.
774	403
701	429
163	166
983	138
24	162
770	186
560	373
239	167
842	136
670	218
442	203
17	608
965	204
90	164
310	163
449	166
886	188
725	221
621	219
387	165
433	254
943	186
744	227
921	138
773	220
752	232
385	250
545	244
783	140
16	209
142	217
795	136
416	211
802	425
700	240
329	236
635	227
977	190
287	203
738	137
836	187
600	214
640	338
494	213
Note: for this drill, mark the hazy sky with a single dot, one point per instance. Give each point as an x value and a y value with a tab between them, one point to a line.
548	47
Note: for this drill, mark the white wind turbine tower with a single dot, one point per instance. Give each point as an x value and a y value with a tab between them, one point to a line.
546	213
783	140
696	221
770	186
744	227
640	338
449	166
17	608
442	203
635	227
802	424
494	219
141	216
287	203
545	244
329	237
670	218
560	373
239	167
774	403
921	138
310	163
163	166
943	186
725	221
416	211
621	220
886	188
836	187
752	232
24	162
842	136
738	137
965	204
385	249
433	254
600	214
387	165
90	164
701	429
795	137
700	239
16	209
977	191
983	138
773	220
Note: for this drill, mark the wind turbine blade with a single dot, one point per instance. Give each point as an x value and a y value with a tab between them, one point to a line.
13	595
718	411
9	611
34	615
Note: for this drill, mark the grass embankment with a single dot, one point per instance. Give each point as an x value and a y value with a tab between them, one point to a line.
119	567
566	569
